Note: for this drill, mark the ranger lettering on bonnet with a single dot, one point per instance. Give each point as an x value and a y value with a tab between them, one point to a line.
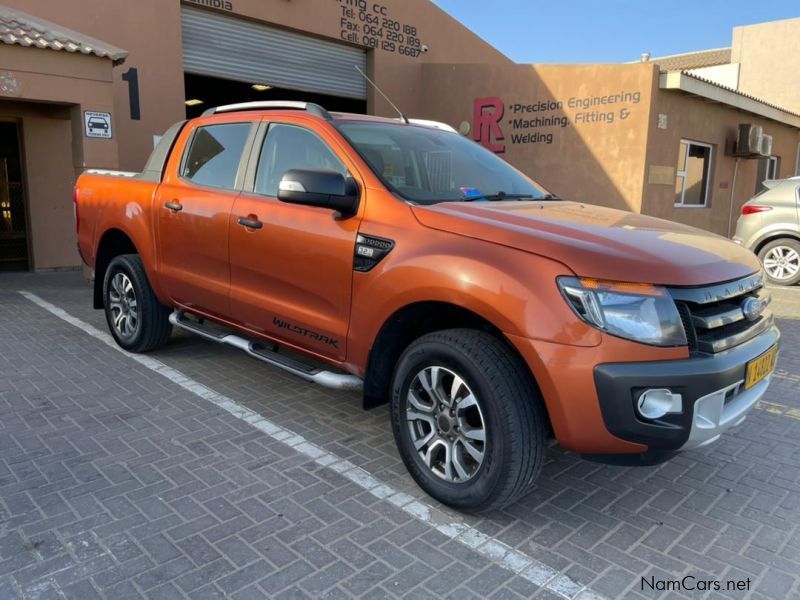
402	259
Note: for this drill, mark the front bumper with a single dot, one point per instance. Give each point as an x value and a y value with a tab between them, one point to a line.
711	388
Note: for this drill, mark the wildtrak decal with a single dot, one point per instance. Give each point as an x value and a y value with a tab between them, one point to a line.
313	335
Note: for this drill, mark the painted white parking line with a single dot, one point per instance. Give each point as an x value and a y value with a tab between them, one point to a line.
448	523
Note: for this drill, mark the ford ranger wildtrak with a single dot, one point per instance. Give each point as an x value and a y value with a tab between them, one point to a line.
401	258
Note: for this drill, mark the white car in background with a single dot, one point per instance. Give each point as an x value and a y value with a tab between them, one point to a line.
770	226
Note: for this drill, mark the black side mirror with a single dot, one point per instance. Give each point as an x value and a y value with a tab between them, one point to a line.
321	188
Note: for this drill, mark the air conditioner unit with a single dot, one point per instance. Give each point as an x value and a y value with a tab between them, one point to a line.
766	145
749	141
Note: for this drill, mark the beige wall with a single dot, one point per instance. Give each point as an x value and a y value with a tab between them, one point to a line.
399	76
46	134
603	154
727	75
593	154
691	118
47	95
150	31
769	57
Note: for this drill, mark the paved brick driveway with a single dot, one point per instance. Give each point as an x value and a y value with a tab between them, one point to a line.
115	483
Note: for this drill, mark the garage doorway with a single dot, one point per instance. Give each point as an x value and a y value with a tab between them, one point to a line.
203	92
13	221
228	60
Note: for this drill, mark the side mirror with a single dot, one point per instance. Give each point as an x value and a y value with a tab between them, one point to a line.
321	188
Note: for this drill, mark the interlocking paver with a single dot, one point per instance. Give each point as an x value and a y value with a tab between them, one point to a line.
173	496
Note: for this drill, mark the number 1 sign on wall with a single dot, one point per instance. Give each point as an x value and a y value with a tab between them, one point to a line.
131	76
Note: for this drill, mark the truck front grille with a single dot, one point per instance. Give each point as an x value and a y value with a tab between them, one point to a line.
719	317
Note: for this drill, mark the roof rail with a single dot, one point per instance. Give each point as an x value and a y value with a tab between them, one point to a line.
432	124
310	107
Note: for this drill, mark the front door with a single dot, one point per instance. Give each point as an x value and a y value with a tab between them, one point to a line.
192	207
291	275
13	228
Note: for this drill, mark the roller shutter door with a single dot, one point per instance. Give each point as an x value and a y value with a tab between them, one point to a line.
223	46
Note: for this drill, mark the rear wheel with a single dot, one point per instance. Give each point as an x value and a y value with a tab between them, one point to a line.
467	419
781	260
137	320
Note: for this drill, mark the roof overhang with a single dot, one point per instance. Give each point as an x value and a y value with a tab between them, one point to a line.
680	81
22	29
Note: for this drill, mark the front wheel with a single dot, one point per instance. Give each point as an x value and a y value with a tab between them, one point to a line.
137	320
781	260
467	419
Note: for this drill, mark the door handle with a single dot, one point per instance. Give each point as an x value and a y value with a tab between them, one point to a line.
174	206
250	223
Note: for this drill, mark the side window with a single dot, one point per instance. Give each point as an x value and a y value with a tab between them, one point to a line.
290	147
693	176
213	158
768	168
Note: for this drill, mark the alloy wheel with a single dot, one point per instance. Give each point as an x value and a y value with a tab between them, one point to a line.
446	424
782	262
123	305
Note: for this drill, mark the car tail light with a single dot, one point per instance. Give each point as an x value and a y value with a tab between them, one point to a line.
751	209
75	208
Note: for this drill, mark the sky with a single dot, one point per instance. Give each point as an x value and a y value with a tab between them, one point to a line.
609	31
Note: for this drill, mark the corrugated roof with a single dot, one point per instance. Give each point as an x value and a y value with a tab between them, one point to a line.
19	28
693	60
691	83
740	93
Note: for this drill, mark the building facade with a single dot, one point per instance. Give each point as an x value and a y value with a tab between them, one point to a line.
92	84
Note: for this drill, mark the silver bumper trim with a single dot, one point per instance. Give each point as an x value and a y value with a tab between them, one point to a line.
713	416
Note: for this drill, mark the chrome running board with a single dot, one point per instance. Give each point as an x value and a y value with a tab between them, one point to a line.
261	351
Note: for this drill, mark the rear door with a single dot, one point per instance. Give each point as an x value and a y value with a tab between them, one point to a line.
192	208
291	275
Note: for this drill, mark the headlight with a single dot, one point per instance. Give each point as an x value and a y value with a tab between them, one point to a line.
635	311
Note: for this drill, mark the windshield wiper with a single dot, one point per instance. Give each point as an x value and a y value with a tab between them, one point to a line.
498	196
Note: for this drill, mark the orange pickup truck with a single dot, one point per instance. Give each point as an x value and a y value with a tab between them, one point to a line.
401	258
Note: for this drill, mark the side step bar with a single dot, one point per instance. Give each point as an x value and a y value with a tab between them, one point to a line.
328	379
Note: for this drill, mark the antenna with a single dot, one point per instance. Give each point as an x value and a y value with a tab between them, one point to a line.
380	91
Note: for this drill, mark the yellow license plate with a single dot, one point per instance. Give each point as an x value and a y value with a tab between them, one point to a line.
759	368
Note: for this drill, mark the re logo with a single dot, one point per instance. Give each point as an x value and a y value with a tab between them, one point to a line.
486	116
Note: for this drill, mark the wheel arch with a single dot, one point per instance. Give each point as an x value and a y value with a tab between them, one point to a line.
773	236
113	243
407	324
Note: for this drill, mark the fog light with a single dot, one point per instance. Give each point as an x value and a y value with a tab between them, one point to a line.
654	404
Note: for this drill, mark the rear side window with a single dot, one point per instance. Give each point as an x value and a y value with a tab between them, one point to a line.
213	158
290	147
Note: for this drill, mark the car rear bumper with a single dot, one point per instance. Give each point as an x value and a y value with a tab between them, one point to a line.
712	390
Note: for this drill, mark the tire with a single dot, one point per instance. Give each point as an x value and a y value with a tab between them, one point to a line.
509	408
781	261
136	319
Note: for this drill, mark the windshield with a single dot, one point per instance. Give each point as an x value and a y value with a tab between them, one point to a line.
426	165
